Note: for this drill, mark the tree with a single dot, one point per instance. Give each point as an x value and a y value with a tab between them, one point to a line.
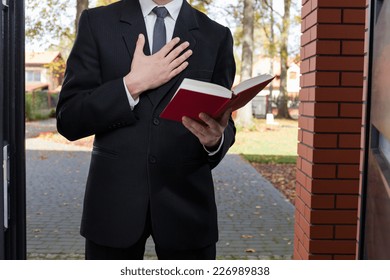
200	5
244	115
105	2
81	5
283	96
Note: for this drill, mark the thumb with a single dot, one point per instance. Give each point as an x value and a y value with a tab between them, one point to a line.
139	48
225	118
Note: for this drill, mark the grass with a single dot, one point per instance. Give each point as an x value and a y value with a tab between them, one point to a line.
268	143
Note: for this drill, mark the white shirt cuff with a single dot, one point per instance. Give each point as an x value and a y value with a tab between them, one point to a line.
132	102
219	147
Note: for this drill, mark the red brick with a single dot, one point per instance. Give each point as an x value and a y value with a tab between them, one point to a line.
307	168
298	231
349	140
351	110
305	37
312	109
346	232
306	9
352	79
347	201
321	232
313	64
344	257
332	247
325	171
354	16
336	156
322	202
328	47
299	205
308	138
329	15
296	255
305	152
302	251
306	123
348	171
305	66
332	216
311	19
326	79
333	63
301	178
338	3
353	47
300	135
305	226
308	79
337	125
325	140
320	257
338	31
333	186
310	50
304	94
337	94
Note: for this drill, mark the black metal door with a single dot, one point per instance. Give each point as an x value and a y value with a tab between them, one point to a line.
376	196
12	149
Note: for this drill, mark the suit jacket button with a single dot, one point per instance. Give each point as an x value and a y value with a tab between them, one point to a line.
152	159
156	121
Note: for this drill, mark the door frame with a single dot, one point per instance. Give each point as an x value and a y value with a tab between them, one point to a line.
371	135
12	125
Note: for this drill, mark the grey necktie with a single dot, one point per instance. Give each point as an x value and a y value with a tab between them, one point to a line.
159	32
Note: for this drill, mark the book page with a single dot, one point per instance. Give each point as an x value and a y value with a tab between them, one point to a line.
251	83
206	88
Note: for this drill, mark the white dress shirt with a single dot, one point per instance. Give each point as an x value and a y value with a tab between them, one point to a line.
173	8
147	7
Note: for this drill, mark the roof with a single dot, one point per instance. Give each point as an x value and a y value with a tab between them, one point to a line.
41	57
36	86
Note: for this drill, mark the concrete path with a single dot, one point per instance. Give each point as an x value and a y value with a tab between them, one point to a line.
255	220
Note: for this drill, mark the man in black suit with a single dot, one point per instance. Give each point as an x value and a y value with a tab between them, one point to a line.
148	176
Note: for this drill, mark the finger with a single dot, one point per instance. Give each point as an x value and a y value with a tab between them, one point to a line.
178	70
168	47
139	48
177	51
176	62
212	123
225	118
194	126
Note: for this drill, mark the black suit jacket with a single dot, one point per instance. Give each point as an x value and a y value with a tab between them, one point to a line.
139	160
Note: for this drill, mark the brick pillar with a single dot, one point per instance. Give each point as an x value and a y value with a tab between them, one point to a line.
330	121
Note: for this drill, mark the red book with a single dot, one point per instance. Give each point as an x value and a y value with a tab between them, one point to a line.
194	97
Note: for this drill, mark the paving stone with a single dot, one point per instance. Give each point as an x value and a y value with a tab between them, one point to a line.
247	205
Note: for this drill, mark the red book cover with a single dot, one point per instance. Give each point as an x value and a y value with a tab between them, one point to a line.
191	103
194	97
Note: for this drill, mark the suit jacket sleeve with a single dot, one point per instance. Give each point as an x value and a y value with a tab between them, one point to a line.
224	73
86	105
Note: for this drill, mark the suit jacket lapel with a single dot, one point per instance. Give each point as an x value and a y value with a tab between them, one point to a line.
134	24
186	22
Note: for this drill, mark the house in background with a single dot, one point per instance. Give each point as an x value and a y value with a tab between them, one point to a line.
38	76
261	102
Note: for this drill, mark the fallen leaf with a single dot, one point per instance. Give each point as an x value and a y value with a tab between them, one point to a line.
250	250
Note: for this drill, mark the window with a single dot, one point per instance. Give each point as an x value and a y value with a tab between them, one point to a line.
384	147
33	76
293	75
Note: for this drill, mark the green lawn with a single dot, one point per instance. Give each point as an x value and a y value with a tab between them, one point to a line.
278	141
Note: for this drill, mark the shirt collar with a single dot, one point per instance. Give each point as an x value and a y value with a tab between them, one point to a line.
173	7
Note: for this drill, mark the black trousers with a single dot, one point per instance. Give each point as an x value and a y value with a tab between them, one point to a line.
95	251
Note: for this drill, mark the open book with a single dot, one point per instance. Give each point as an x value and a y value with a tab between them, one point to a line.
194	97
